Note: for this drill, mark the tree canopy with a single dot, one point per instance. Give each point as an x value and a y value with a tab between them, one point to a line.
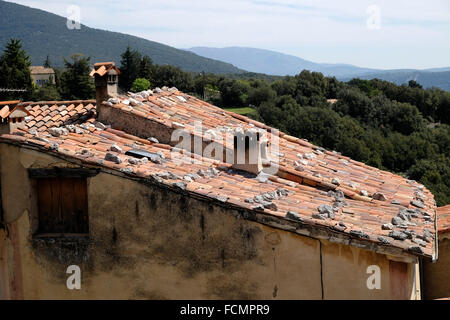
15	71
75	80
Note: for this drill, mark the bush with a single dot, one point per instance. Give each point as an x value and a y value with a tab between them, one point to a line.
140	84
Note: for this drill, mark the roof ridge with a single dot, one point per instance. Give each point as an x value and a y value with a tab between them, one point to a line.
33	103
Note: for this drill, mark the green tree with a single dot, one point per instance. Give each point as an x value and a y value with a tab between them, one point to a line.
146	68
75	80
47	62
259	92
171	76
48	92
234	93
435	174
414	84
15	71
129	68
140	84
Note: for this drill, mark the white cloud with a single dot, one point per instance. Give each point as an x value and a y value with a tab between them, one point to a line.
412	34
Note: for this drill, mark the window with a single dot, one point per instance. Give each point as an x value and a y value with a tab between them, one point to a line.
62	200
112	79
62	205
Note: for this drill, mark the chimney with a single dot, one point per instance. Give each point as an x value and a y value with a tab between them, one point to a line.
12	116
249	149
106	76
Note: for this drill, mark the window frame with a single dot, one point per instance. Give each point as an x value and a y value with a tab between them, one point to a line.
38	174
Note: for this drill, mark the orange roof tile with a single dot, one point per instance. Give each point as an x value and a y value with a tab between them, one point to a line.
103	68
4	112
47	114
41	70
443	219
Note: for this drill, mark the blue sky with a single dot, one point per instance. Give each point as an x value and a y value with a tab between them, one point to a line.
375	33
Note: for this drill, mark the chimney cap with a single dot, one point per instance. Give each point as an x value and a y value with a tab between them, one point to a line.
102	68
8	111
99	64
7	107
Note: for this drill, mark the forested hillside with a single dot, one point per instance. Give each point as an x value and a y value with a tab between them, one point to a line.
44	33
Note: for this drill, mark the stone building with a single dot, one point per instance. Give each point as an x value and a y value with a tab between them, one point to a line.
99	185
41	75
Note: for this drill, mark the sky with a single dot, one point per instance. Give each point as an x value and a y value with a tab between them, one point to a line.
379	34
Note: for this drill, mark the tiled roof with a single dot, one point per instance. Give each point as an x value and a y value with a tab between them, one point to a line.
320	166
294	197
41	70
443	219
44	115
102	68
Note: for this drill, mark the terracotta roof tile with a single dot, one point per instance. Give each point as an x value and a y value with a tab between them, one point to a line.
443	219
41	70
44	115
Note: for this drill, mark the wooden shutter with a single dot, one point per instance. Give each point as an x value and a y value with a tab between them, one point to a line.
63	205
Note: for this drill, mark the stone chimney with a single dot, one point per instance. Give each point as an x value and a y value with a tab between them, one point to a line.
12	116
249	147
106	76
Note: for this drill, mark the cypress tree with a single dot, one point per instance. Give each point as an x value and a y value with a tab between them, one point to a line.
146	68
15	71
129	68
75	80
47	62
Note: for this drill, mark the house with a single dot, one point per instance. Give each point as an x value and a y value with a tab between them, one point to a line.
41	75
150	197
436	275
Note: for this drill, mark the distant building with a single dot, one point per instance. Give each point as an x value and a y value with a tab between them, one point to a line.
42	75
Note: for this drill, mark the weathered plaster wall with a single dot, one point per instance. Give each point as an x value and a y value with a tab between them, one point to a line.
345	274
437	275
4	283
49	77
151	243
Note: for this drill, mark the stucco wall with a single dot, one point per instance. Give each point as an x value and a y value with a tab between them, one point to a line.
437	275
151	243
49	77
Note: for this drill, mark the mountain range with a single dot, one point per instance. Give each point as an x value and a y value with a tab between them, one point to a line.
276	63
44	33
